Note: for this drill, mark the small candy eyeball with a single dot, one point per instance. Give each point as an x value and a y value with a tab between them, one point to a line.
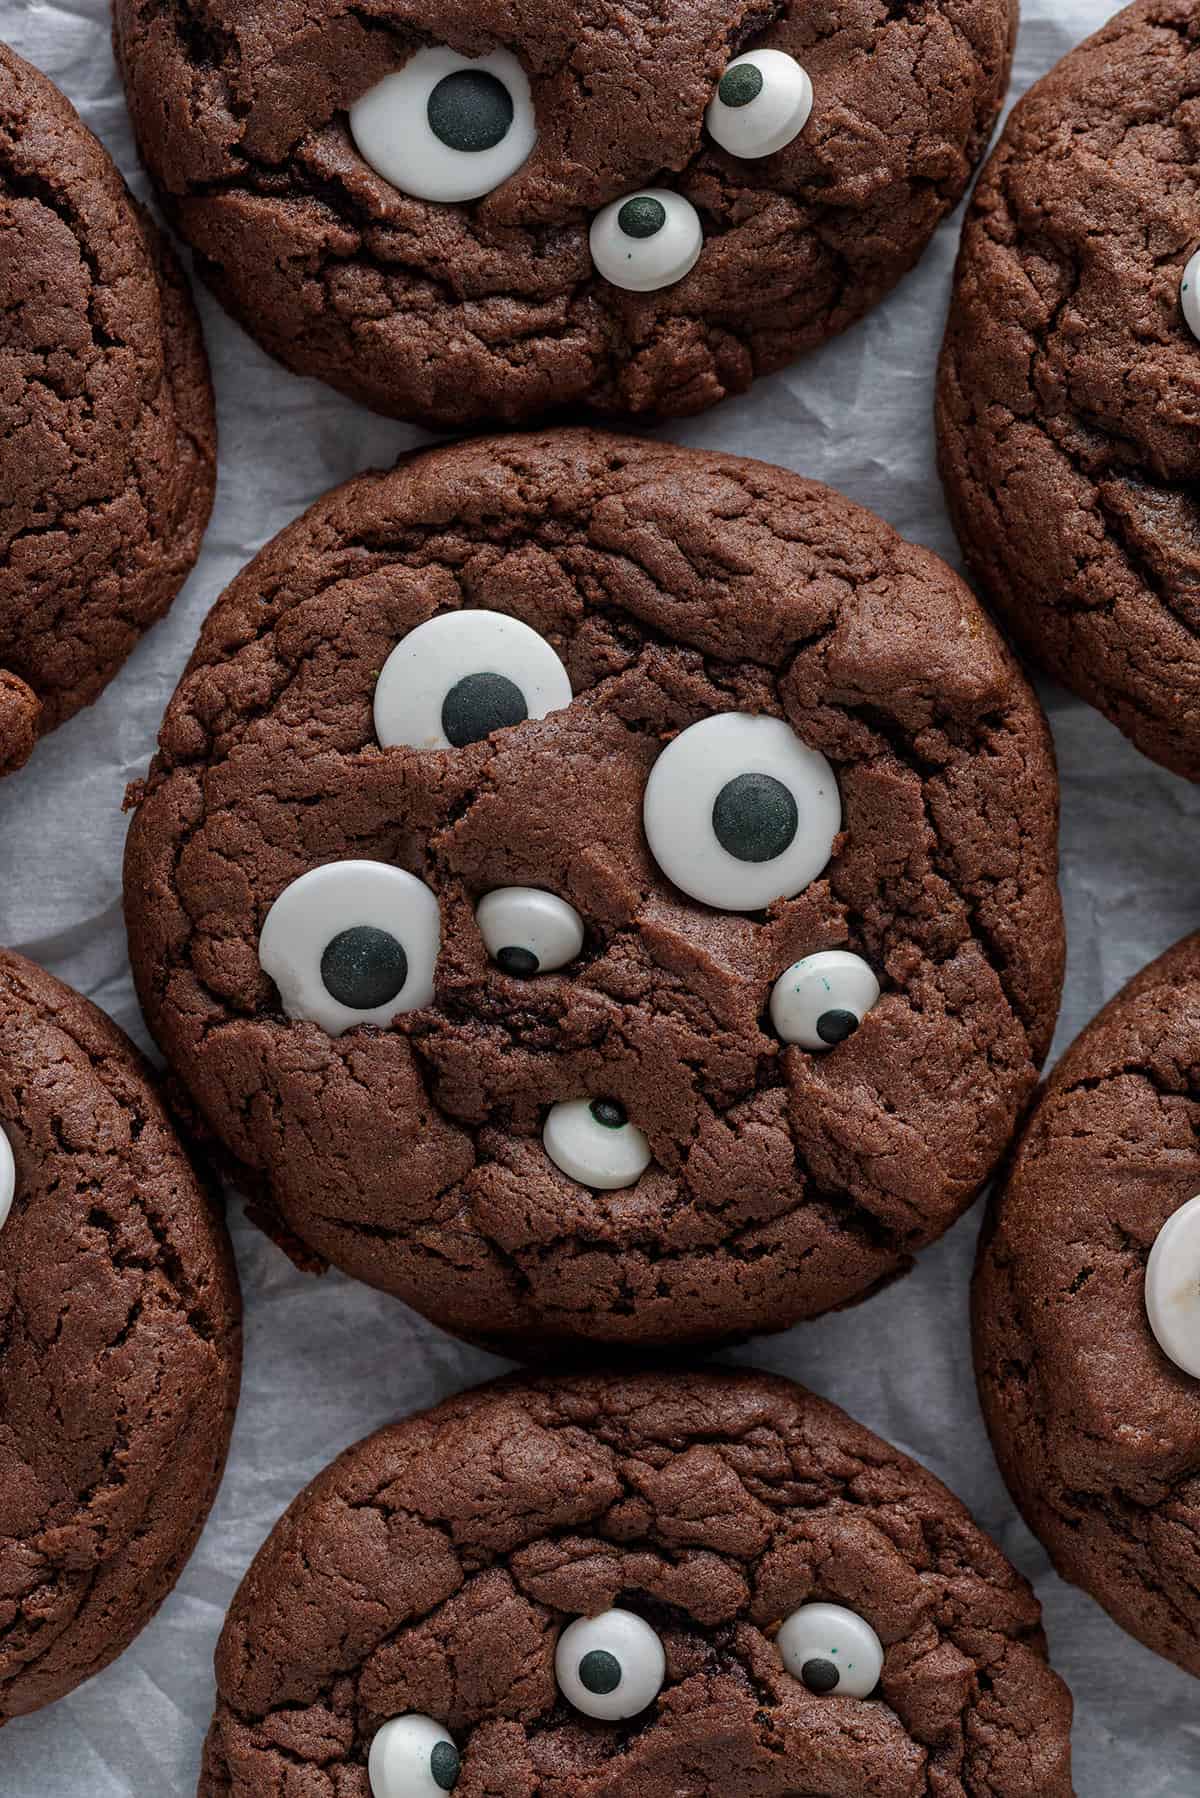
592	1141
527	931
447	127
820	1001
611	1666
352	943
647	241
412	1757
831	1650
1173	1288
738	811
462	675
1189	295
762	103
8	1177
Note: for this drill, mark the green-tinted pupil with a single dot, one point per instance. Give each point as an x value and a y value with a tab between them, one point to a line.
741	84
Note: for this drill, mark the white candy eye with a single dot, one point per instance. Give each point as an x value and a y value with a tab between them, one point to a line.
8	1178
352	943
611	1666
1189	294
762	102
529	932
738	811
831	1650
823	999
445	126
461	676
647	241
1173	1288
592	1141
412	1757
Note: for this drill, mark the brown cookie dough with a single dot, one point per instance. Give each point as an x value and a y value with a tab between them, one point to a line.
494	310
434	1568
1069	394
107	434
120	1343
1096	1429
674	585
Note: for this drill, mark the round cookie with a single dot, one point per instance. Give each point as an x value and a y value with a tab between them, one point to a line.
472	211
575	1115
1086	1315
1069	390
665	1583
120	1326
107	433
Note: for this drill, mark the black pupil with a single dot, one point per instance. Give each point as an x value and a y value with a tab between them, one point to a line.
836	1026
480	704
642	217
599	1671
520	963
443	1764
741	85
755	817
611	1113
819	1675
470	110
364	967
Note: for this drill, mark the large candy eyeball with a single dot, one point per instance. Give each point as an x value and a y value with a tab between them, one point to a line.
611	1666
738	812
352	943
831	1650
445	126
1189	294
412	1757
647	241
527	931
1173	1288
462	675
762	102
592	1141
823	999
8	1177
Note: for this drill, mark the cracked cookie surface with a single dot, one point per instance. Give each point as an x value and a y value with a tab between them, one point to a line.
434	1566
492	311
1097	1432
120	1343
1069	393
673	585
107	432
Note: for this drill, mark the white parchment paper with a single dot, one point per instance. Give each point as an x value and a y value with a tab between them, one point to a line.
327	1360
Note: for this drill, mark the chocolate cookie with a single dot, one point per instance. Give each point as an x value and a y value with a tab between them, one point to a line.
119	1343
481	210
701	1584
1069	395
107	437
1087	1311
598	889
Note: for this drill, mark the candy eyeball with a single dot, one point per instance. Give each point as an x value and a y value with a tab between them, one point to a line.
527	931
762	104
647	241
611	1666
447	127
352	943
462	675
1189	294
8	1177
412	1757
739	812
593	1142
823	999
831	1650
1173	1288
